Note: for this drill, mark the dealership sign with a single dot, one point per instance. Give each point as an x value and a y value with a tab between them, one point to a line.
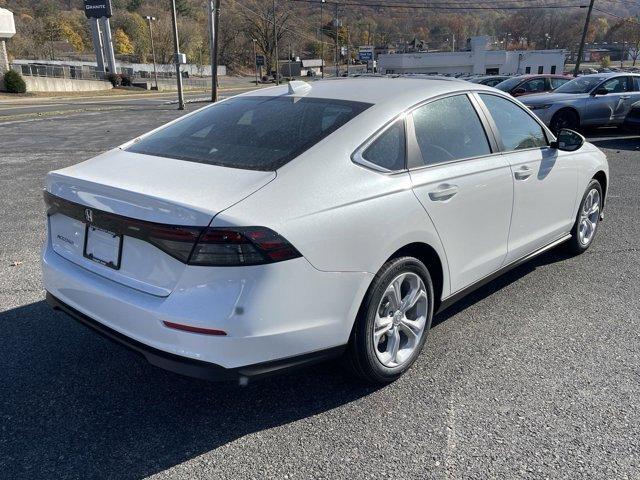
97	8
365	53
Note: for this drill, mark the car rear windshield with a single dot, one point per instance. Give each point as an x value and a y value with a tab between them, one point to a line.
252	132
579	85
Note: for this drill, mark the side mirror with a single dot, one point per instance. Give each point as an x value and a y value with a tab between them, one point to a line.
568	141
600	91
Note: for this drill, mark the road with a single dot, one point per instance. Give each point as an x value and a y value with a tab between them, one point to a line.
20	108
536	375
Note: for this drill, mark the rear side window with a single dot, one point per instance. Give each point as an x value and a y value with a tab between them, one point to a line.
449	129
252	133
515	126
389	149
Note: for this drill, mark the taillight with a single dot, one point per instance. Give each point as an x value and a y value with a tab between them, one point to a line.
230	247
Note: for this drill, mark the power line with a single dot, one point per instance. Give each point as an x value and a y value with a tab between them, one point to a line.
626	19
446	7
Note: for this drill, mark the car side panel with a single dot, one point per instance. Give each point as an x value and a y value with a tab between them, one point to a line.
474	223
342	217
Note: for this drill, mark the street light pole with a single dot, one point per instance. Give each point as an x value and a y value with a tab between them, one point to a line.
255	58
322	2
176	46
337	31
275	42
576	70
153	49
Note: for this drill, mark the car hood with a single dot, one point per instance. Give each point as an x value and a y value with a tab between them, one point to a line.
541	98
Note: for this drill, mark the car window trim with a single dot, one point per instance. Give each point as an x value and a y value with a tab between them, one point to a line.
549	137
411	147
357	157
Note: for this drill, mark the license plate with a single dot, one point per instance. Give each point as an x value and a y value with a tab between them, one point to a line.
103	247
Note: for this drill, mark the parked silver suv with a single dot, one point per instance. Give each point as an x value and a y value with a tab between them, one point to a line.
591	100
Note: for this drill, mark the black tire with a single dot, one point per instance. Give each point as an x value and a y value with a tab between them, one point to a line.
575	245
564	119
361	353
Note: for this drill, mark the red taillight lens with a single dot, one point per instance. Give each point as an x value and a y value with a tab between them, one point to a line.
230	247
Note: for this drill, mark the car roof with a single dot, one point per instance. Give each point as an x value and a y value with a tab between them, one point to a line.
399	90
610	74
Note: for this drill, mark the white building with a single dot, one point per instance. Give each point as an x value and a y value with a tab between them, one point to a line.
478	60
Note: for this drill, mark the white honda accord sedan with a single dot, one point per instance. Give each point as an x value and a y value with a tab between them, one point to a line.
297	223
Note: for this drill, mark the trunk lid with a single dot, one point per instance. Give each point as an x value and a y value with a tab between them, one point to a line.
140	187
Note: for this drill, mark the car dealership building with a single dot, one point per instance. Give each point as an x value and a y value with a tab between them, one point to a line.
476	60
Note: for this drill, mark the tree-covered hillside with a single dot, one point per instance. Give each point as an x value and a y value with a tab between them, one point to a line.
58	28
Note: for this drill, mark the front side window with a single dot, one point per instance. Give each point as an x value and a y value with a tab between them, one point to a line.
616	85
449	129
389	149
515	126
533	86
252	133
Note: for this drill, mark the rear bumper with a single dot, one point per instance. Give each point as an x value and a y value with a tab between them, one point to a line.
270	313
189	366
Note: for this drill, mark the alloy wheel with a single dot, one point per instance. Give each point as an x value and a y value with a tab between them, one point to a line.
589	216
400	319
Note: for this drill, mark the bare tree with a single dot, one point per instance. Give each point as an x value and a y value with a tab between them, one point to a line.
258	16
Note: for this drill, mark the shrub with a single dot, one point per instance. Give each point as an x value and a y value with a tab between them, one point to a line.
14	83
115	79
125	81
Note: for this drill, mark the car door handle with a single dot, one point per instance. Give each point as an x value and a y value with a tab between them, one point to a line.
523	173
625	97
444	192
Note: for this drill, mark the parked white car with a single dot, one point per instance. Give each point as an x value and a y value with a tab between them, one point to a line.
292	224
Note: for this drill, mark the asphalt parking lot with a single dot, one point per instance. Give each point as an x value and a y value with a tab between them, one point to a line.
536	375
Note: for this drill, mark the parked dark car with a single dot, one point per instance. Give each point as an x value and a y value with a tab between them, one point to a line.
489	80
528	84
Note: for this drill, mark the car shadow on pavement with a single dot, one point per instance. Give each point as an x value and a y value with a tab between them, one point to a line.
74	405
547	258
630	143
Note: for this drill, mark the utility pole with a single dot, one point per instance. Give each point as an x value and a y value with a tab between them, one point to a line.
275	41
337	56
177	55
584	37
322	2
214	16
153	49
348	53
290	54
453	42
255	57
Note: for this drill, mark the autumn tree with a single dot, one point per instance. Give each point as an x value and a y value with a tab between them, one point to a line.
121	42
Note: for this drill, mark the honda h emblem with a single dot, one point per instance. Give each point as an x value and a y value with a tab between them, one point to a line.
88	215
